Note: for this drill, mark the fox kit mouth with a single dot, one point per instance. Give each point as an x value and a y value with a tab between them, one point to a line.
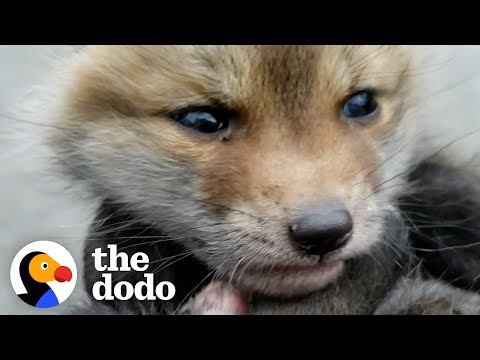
288	281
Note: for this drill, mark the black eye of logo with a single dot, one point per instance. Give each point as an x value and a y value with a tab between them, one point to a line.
361	106
204	119
44	265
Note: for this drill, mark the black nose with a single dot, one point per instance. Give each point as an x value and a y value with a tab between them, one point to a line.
323	228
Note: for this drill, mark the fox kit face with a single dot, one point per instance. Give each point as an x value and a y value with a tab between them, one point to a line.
272	164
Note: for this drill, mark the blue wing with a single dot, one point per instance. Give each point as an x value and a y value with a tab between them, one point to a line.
49	299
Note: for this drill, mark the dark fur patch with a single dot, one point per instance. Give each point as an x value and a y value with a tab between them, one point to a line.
132	236
443	213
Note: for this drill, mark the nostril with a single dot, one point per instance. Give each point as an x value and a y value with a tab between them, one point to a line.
322	229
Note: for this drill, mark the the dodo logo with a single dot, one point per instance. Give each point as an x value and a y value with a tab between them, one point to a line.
43	274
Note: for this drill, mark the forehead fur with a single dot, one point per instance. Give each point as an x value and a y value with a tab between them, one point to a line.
287	79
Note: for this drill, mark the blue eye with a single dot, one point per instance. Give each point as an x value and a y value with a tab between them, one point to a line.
360	106
203	119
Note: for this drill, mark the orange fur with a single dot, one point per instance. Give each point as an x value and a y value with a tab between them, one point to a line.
293	142
288	146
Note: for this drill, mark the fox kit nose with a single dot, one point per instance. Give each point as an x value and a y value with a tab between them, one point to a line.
323	228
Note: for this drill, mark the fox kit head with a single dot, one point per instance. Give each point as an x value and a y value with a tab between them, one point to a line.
271	164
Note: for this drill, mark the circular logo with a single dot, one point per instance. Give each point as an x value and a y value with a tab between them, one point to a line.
43	274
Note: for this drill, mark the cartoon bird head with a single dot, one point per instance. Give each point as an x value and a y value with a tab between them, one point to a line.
36	270
43	268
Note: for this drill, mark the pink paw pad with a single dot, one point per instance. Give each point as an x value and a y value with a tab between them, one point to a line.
216	299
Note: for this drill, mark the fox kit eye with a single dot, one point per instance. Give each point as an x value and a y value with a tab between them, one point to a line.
203	119
361	106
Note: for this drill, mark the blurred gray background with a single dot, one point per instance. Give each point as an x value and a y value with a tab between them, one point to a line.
30	211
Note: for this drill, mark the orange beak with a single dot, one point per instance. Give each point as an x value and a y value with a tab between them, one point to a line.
62	274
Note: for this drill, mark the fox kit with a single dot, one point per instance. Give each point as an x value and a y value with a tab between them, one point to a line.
268	176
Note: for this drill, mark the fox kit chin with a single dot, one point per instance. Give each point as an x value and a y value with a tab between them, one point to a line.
270	167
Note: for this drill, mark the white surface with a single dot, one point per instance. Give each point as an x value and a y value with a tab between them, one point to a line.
30	211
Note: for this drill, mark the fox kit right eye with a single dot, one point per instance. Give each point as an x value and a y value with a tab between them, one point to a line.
203	119
360	107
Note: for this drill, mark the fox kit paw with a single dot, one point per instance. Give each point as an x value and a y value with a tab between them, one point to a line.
216	298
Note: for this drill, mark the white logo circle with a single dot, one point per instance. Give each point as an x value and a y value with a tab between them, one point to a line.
43	274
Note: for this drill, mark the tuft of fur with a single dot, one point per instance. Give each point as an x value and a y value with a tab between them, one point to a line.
443	215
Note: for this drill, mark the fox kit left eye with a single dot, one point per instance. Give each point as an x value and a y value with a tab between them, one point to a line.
203	119
360	107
